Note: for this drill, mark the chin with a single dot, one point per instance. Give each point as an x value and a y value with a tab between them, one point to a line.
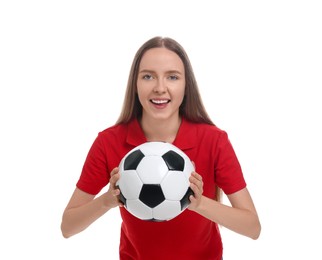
166	117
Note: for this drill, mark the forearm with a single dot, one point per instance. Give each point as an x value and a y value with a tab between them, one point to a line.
242	221
79	218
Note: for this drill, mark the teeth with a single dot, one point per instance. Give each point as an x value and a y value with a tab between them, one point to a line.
159	101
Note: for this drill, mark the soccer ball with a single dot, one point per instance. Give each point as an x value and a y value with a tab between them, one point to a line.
154	181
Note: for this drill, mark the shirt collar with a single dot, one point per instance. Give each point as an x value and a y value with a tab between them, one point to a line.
186	137
135	135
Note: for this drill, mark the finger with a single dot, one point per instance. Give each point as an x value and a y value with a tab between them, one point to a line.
116	192
114	171
114	178
196	190
197	176
193	181
192	198
196	186
196	180
114	175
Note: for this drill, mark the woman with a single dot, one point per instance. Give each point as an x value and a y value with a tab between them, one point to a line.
162	103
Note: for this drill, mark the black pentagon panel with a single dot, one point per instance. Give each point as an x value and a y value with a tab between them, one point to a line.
185	200
174	161
132	160
151	195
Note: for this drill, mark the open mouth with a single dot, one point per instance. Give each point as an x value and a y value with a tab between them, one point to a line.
160	101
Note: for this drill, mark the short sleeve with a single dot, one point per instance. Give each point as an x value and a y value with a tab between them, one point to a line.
94	175
228	173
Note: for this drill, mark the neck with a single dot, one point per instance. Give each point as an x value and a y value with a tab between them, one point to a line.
160	130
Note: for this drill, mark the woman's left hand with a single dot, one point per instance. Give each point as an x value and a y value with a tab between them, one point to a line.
196	184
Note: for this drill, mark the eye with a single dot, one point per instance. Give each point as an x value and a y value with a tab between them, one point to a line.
147	76
173	77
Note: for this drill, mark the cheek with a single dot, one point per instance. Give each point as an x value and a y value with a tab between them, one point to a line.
181	93
139	91
142	96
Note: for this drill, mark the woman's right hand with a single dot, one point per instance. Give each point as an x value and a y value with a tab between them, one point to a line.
112	195
85	208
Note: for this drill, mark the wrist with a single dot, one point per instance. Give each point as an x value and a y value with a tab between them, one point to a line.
107	201
202	204
198	207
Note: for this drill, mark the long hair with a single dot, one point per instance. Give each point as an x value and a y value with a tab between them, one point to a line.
192	107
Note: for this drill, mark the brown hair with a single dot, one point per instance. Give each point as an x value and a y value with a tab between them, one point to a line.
191	108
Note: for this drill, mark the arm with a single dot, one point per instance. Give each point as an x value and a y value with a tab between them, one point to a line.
83	208
241	217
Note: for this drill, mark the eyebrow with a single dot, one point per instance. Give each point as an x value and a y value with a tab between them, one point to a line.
169	71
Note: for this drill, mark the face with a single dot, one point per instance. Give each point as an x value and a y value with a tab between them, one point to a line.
161	84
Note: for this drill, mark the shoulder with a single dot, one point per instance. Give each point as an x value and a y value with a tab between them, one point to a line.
205	129
211	135
110	136
115	131
192	134
210	128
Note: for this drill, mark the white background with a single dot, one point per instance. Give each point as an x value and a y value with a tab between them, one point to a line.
63	71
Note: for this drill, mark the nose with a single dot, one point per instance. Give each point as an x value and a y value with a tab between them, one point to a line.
160	87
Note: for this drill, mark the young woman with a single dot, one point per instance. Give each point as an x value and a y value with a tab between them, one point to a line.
162	103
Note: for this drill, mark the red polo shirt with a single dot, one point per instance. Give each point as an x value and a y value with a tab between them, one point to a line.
189	236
